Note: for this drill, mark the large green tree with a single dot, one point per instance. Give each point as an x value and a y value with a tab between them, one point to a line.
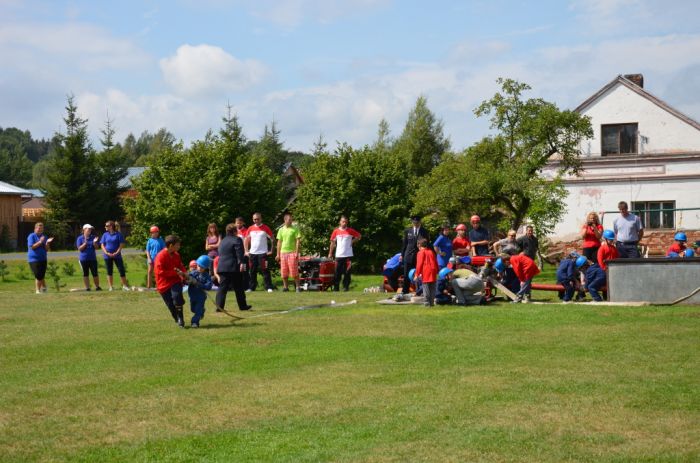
70	192
368	186
215	180
18	153
502	175
422	142
110	168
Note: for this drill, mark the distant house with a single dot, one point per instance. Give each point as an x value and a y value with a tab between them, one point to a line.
126	182
643	152
34	209
11	198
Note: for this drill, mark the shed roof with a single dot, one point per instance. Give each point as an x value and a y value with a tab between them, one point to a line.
9	189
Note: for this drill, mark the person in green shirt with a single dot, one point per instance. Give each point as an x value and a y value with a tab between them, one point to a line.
288	241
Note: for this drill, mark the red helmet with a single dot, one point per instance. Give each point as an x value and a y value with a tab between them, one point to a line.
475	218
193	264
461	226
155	229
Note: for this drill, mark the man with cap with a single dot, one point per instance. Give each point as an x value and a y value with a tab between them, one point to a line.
479	237
409	249
628	232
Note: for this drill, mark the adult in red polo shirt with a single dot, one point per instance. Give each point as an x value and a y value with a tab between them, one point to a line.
169	273
342	240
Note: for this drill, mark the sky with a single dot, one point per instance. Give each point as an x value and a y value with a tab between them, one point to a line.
331	68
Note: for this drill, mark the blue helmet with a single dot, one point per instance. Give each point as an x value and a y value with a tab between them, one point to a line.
203	261
580	260
609	235
689	253
444	272
671	255
499	265
680	236
465	260
411	273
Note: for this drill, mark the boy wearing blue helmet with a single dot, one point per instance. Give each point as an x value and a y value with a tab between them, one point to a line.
567	274
199	281
607	250
443	295
595	278
679	245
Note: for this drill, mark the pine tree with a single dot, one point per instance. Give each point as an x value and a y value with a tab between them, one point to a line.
422	142
111	168
70	189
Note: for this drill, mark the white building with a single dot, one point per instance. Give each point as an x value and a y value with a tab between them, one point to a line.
643	152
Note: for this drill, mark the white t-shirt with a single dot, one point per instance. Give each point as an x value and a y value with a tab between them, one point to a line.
259	235
343	241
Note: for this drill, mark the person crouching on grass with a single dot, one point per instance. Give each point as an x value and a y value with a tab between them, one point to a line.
525	269
199	282
169	273
427	271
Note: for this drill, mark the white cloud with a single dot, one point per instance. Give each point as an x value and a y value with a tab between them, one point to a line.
88	47
206	70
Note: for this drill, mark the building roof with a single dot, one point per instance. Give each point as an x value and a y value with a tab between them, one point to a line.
9	189
131	172
622	80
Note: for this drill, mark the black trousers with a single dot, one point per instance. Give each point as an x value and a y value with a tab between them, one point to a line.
409	263
259	262
342	270
231	281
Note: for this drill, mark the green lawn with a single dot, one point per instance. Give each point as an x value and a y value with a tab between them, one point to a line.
109	377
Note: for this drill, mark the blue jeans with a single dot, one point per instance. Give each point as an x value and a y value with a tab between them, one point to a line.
569	289
594	286
627	250
525	288
197	308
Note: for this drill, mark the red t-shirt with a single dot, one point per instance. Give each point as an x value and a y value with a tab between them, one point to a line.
460	243
165	265
426	266
606	253
524	267
675	247
589	239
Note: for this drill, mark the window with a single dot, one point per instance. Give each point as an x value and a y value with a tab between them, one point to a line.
618	139
655	214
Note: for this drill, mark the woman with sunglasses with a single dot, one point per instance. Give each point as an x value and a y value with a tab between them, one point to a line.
112	243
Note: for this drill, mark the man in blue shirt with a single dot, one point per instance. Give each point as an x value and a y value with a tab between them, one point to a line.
628	231
479	236
443	247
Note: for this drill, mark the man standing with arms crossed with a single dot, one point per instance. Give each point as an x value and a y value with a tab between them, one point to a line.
342	240
256	242
628	231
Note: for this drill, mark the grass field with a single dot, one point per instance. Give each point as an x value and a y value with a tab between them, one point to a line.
109	377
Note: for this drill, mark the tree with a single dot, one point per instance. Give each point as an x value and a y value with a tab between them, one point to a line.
215	180
501	175
70	189
149	145
370	187
422	143
18	153
110	169
270	148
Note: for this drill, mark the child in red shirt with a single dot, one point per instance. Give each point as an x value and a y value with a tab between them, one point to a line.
607	251
525	269
427	271
170	273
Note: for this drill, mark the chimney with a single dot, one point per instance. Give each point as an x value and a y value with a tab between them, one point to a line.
636	79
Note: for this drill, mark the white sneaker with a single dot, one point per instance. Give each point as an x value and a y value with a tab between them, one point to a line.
125	288
269	290
111	289
38	292
248	290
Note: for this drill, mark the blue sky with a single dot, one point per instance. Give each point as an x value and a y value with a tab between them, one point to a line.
328	67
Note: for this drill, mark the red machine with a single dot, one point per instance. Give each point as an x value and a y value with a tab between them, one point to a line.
316	273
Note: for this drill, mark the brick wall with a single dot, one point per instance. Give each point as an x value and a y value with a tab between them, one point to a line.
657	240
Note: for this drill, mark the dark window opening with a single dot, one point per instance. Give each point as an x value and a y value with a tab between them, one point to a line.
655	214
618	139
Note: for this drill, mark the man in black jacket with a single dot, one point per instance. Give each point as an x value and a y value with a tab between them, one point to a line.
231	268
409	249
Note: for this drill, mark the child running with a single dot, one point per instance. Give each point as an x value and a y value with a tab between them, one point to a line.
199	282
169	273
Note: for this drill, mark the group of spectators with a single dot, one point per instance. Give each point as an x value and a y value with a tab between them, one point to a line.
111	242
